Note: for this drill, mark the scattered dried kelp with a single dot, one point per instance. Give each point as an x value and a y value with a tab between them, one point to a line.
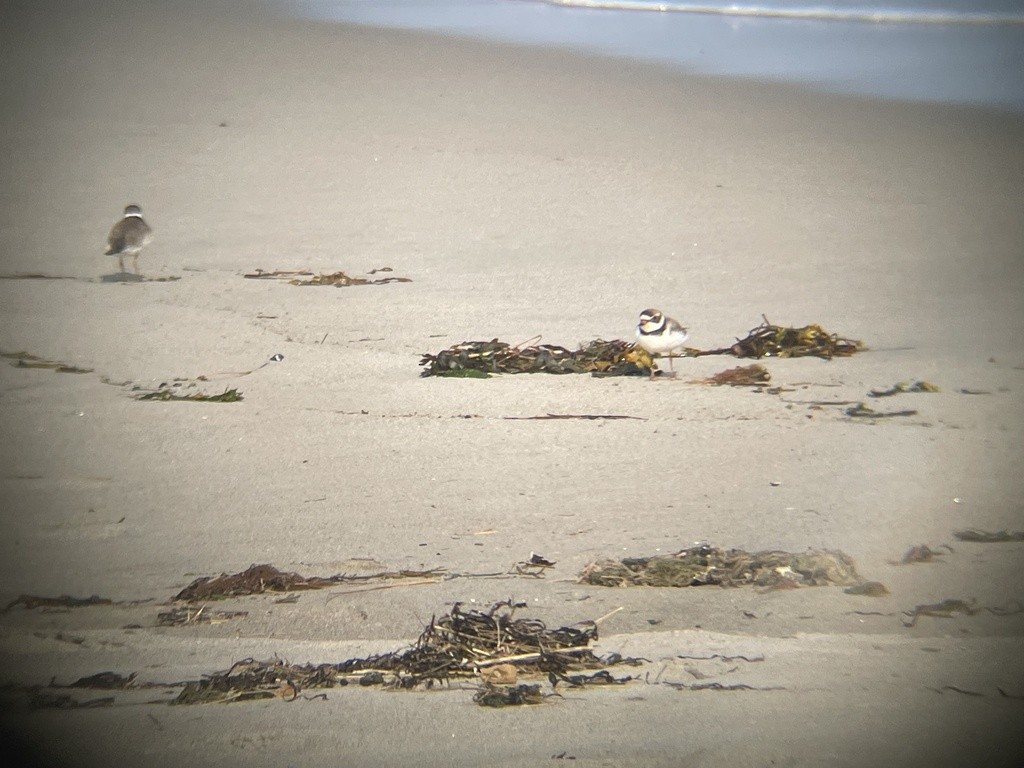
337	279
257	579
456	646
861	411
27	360
741	376
944	610
248	680
177	617
902	387
705	564
168	394
622	358
605	358
767	340
988	537
64	601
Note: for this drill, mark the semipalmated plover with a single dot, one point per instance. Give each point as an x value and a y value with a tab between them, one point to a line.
657	334
129	236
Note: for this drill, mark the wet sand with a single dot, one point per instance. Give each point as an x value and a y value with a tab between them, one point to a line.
525	192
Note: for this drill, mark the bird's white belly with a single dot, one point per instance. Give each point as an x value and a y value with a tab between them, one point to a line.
657	344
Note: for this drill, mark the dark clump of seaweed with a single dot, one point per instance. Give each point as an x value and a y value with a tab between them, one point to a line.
166	394
509	695
458	645
706	565
249	680
461	642
257	579
768	340
742	376
604	358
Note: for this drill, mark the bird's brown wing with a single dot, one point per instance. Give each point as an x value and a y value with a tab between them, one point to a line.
129	232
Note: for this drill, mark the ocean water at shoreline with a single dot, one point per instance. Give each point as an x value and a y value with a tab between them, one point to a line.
951	51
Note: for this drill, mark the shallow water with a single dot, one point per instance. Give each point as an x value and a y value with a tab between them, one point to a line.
951	51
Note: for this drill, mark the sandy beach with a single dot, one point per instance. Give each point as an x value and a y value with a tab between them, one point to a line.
524	192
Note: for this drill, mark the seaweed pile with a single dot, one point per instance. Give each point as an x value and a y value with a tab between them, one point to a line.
257	579
623	358
767	340
605	358
456	646
703	565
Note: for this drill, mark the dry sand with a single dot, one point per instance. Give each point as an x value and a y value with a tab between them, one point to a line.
524	192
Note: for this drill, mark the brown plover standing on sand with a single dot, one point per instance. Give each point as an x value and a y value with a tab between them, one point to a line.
657	333
129	236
